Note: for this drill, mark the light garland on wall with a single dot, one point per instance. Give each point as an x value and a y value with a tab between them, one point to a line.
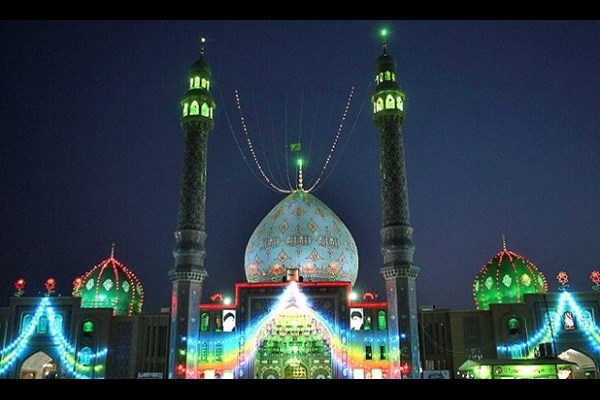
566	302
68	353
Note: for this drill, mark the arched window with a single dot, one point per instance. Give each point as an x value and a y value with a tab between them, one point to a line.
400	103
26	322
88	327
204	81
389	102
85	356
211	113
42	327
374	108
219	352
185	109
191	83
387	75
376	78
381	320
197	82
393	76
204	321
379	104
381	77
207	84
514	326
204	111
58	321
194	108
203	352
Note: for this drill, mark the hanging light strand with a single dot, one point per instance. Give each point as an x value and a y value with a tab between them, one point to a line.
335	141
251	147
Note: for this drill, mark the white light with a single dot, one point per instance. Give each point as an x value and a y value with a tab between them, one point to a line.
227	300
353	296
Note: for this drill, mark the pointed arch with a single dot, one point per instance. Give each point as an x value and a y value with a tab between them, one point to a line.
197	82
204	110
185	109
194	108
390	102
388	76
379	104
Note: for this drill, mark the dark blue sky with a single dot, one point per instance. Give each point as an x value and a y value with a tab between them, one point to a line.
501	136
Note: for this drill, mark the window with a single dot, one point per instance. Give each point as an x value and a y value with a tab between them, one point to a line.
185	113
393	76
400	103
389	101
211	112
368	352
387	75
381	77
382	352
204	82
207	85
204	321
367	324
219	352
42	327
381	320
204	111
379	104
58	321
191	83
376	78
194	108
197	82
85	356
203	352
513	326
26	322
88	328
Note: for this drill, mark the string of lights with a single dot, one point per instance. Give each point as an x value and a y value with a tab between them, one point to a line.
335	141
68	354
251	148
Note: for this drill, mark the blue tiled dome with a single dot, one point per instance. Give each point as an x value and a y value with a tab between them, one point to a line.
301	232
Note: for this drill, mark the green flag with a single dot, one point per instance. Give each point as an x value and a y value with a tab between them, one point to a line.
295	146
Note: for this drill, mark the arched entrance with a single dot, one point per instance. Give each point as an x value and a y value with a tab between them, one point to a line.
586	368
38	366
293	343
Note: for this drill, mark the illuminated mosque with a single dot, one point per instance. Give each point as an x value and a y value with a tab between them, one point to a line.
296	317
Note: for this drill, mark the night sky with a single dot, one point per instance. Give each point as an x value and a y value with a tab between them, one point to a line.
501	137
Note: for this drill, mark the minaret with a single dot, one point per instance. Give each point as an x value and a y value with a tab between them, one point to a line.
189	273
398	271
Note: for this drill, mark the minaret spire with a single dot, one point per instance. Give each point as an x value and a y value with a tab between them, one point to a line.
112	250
300	178
188	273
399	271
202	42
503	242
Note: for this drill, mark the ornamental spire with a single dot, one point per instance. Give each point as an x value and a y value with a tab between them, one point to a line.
112	250
202	41
503	242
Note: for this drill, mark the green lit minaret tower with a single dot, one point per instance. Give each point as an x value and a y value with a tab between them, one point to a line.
189	273
399	270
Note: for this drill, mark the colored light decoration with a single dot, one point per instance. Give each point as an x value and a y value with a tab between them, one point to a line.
20	286
384	33
370	296
50	285
563	280
70	358
217	297
77	286
227	300
595	277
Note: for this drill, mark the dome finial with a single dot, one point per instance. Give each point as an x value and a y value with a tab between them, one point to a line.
300	178
202	41
384	34
112	250
503	242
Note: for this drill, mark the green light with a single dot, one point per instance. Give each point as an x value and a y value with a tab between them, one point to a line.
383	32
299	162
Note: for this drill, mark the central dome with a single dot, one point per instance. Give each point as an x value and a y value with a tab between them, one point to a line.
301	232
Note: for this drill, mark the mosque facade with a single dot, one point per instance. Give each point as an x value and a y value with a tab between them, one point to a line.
295	316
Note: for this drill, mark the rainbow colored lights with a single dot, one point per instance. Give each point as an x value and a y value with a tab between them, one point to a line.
82	364
292	331
566	304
